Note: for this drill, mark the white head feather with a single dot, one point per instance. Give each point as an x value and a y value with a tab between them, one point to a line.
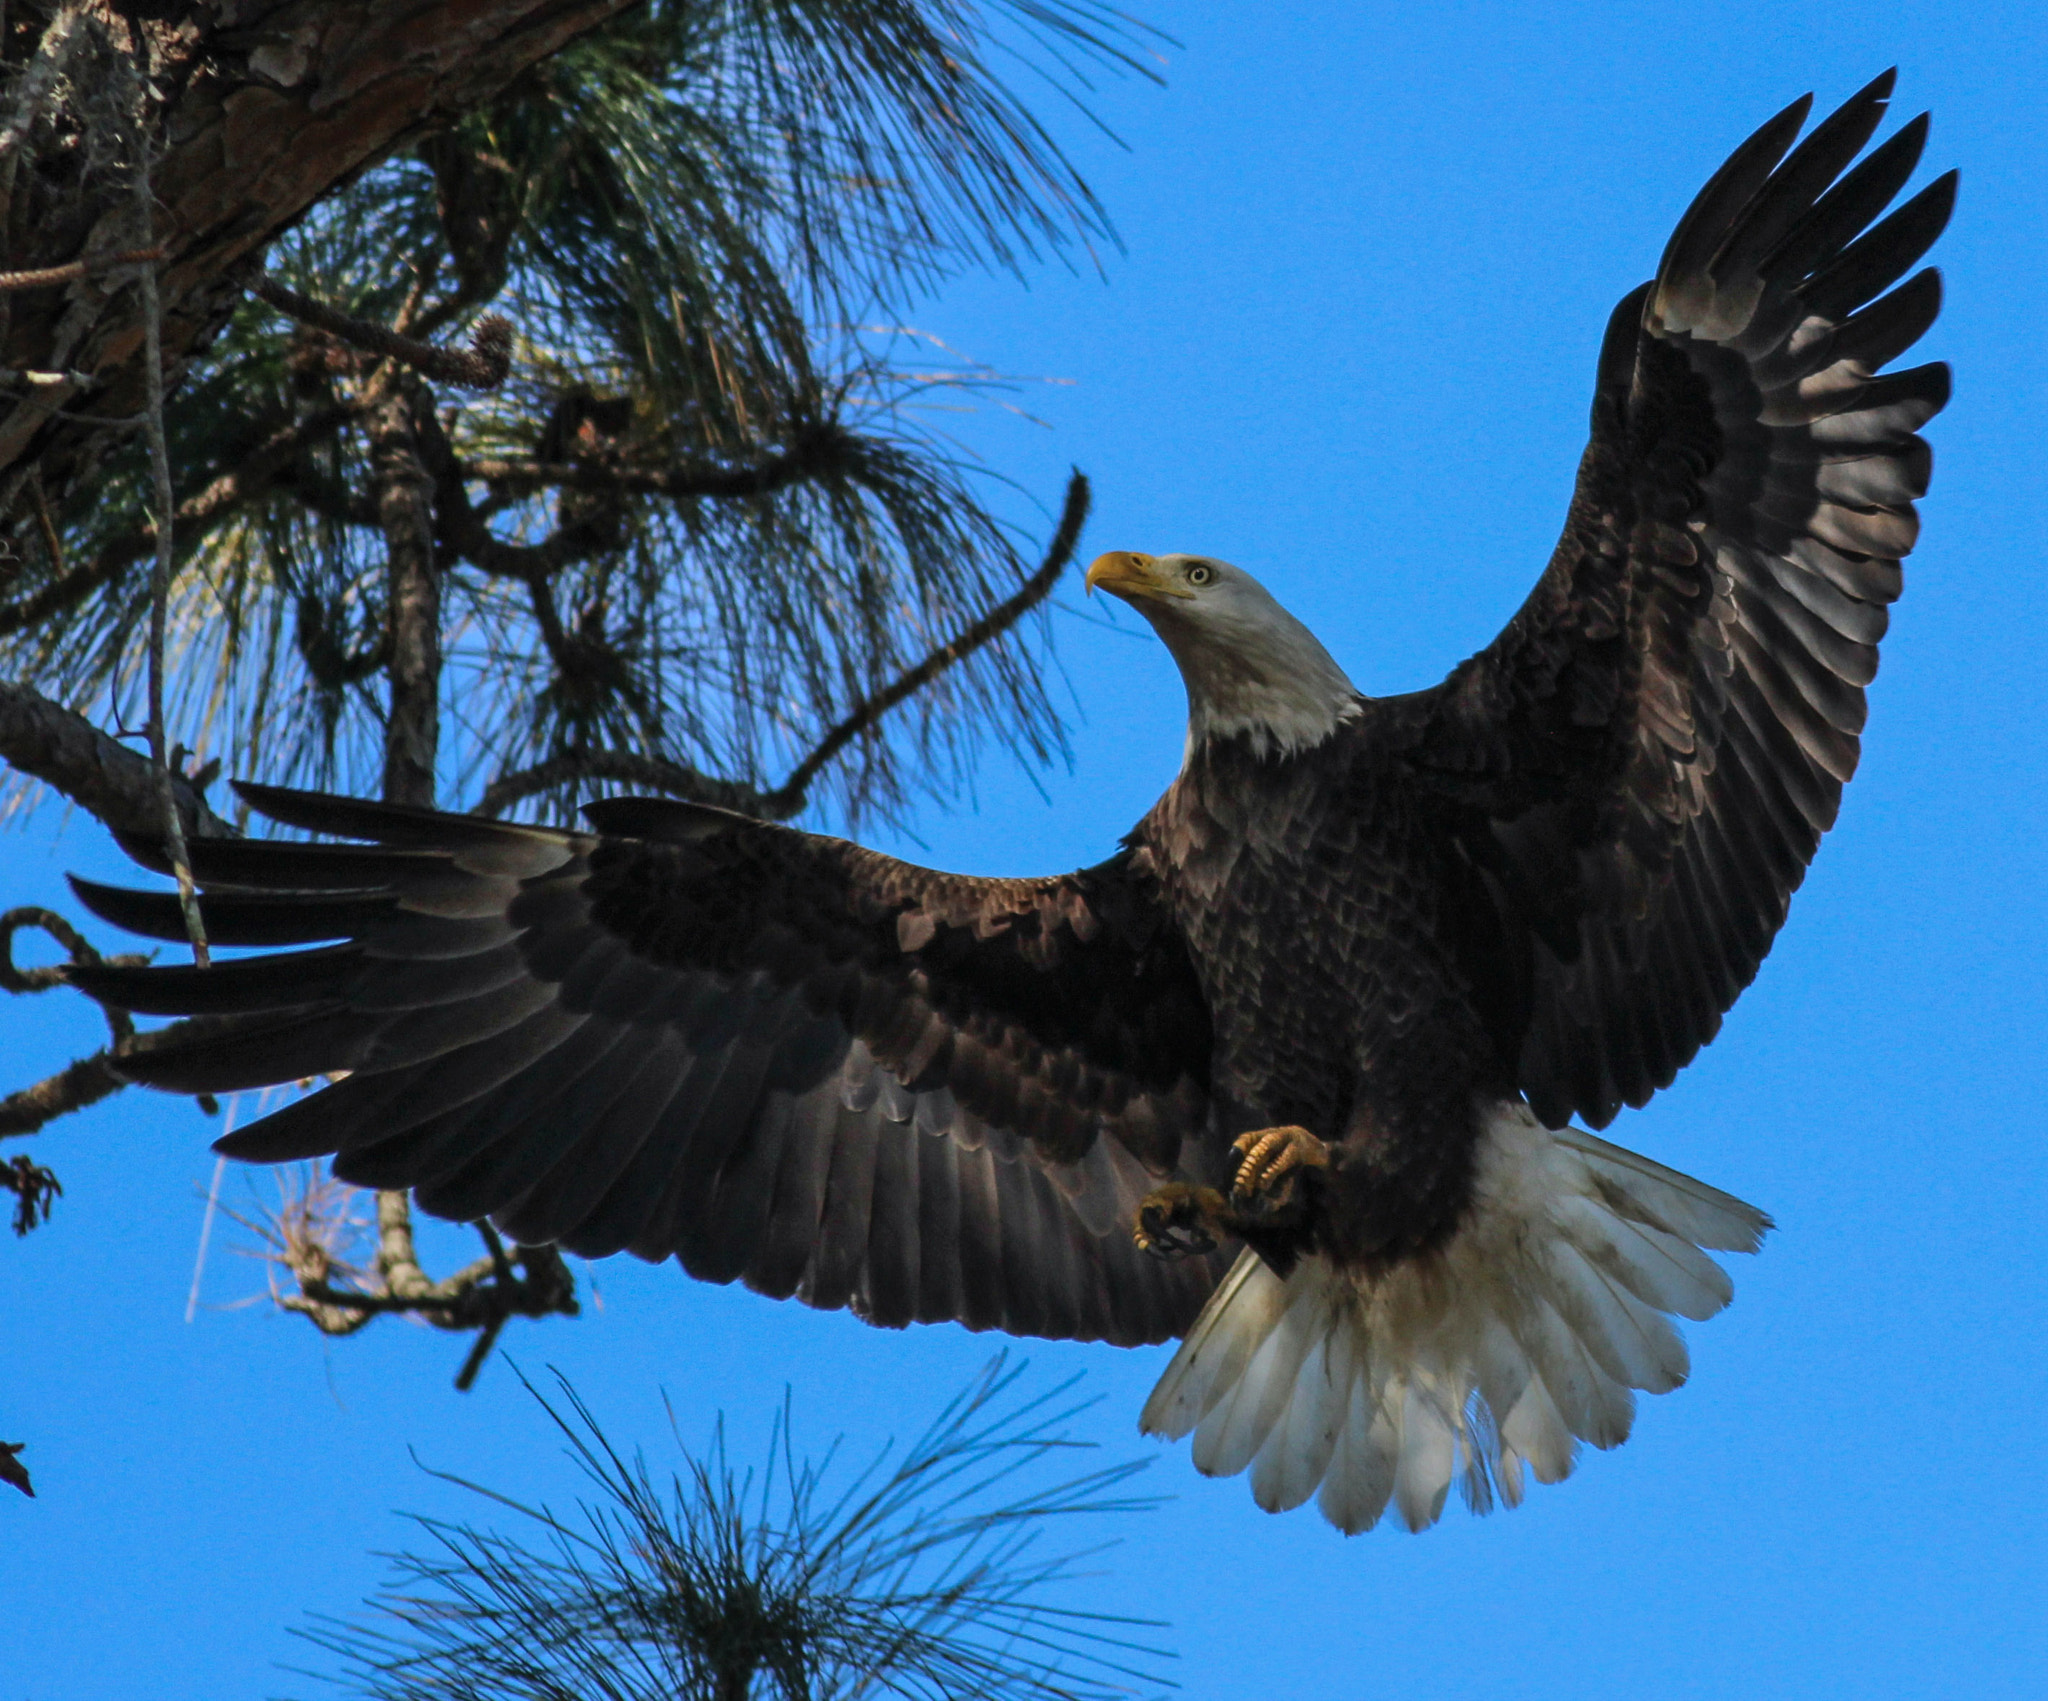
1249	666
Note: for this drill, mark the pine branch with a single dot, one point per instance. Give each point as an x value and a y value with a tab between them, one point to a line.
676	779
815	452
482	366
262	468
788	798
463	533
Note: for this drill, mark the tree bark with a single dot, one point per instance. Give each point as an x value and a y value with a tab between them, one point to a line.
100	774
403	495
260	108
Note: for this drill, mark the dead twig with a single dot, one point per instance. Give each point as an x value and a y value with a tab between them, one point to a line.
312	1234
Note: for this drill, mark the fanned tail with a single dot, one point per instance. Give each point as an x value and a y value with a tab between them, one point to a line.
1521	1337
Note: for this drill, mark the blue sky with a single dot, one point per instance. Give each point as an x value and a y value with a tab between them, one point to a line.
1369	254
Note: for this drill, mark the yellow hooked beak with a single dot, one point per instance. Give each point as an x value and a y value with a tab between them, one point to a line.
1126	573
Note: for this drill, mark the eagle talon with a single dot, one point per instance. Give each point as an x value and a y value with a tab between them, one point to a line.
1270	1165
1179	1219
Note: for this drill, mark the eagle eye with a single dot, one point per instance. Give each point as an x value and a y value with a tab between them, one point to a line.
1200	575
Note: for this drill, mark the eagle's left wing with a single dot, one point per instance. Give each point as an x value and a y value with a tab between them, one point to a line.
1644	761
780	1057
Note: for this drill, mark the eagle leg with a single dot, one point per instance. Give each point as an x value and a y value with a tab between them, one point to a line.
1180	1218
1271	1166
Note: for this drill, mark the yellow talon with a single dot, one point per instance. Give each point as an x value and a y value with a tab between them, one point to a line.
1269	1160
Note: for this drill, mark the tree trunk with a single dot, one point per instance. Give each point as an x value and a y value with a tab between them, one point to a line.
403	494
260	107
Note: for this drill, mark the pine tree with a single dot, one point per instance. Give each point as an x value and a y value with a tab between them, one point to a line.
674	519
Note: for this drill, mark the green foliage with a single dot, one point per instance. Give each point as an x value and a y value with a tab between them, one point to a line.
706	517
920	1576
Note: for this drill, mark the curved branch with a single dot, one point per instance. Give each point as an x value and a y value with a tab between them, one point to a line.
788	798
675	779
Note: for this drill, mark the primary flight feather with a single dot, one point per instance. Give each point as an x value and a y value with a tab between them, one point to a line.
1292	1074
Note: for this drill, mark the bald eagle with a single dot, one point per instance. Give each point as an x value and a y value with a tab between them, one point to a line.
1291	1075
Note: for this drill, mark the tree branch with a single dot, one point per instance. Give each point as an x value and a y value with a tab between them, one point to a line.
42	277
68	753
816	451
481	1296
463	534
264	465
482	366
626	767
789	797
676	779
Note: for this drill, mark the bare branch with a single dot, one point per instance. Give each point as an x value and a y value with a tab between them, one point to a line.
462	532
788	798
11	1469
482	366
46	275
60	747
83	1083
46	524
481	1296
676	779
166	510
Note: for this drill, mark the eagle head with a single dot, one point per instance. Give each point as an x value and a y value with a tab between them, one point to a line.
1251	669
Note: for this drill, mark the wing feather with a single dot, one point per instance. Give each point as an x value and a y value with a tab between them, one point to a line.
776	1057
1653	748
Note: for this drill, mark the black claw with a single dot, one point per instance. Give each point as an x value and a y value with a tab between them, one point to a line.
1174	1223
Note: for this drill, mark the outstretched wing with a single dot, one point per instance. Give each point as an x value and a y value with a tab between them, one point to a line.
1649	753
780	1057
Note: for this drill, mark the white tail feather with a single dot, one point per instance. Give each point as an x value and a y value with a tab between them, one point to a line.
1517	1340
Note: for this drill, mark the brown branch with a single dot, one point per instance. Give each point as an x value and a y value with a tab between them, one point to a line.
46	523
788	798
675	779
482	366
73	1088
64	750
46	275
85	1082
461	530
626	767
229	491
815	452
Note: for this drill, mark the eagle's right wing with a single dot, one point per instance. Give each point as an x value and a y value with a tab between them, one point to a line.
780	1057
